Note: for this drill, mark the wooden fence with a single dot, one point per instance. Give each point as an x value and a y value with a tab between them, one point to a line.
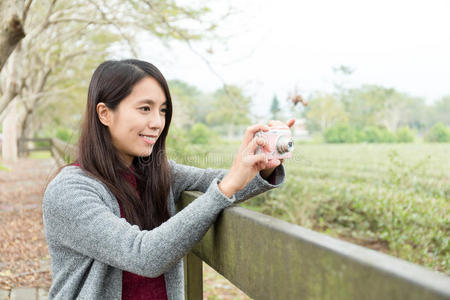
25	146
271	259
61	151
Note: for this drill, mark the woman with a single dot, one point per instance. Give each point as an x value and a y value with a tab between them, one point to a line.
109	218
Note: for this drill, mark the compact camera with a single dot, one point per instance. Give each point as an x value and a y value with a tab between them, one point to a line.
280	143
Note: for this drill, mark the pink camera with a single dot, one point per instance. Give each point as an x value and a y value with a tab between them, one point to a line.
279	141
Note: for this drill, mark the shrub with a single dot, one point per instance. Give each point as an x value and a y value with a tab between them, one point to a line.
341	133
360	136
372	134
386	136
200	134
405	135
439	133
64	134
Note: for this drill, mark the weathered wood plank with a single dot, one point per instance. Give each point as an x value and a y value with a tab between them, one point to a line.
271	259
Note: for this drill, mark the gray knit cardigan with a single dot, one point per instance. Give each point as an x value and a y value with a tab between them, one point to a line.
90	244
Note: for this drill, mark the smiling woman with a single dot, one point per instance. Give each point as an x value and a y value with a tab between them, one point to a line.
137	122
109	218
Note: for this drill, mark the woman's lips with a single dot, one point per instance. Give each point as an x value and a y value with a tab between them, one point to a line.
149	140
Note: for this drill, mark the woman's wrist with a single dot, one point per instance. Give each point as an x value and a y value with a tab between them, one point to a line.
227	188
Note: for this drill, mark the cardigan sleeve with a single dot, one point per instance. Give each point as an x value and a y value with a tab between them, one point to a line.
188	178
76	216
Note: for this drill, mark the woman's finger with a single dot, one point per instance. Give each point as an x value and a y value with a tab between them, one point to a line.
250	132
257	158
273	123
255	143
290	122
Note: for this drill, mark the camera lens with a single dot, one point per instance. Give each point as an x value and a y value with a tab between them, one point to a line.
284	144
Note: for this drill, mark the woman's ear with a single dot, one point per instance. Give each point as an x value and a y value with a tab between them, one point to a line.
104	114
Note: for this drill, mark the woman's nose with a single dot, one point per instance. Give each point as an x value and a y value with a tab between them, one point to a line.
156	121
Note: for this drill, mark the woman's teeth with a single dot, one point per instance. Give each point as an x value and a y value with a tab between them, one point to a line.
148	138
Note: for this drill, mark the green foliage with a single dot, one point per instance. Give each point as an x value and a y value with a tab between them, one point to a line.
64	134
181	149
231	107
379	135
363	104
201	134
377	106
341	133
440	111
191	104
439	133
360	136
344	133
323	111
387	136
41	155
3	168
405	135
372	134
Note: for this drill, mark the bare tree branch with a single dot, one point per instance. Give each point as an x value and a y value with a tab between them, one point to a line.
26	10
189	44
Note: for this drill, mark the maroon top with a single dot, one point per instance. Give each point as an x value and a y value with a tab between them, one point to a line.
137	287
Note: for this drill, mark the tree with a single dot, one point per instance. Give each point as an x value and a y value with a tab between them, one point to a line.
441	110
230	108
364	105
372	105
323	111
275	107
439	133
191	105
73	37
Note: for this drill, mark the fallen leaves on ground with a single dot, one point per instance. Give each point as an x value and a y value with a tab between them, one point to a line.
24	258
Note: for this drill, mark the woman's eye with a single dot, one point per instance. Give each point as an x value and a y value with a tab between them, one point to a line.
145	108
164	110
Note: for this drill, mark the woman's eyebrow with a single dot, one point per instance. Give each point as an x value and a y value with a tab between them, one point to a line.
150	101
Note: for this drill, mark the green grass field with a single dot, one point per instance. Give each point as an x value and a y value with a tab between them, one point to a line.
393	198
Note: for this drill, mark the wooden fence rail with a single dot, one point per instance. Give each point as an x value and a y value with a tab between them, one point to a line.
271	259
61	151
25	146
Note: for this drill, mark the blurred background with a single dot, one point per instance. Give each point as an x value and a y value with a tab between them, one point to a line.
367	82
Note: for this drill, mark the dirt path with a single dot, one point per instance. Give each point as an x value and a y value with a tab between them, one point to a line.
24	259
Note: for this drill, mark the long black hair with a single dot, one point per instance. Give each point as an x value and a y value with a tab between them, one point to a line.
111	82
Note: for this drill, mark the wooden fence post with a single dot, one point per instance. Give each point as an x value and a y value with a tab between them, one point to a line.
193	277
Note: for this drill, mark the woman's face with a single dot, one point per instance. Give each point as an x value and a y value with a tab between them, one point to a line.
138	120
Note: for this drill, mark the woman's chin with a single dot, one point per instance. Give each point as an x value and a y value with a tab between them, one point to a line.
146	152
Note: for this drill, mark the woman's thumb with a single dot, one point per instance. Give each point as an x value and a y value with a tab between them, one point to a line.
256	142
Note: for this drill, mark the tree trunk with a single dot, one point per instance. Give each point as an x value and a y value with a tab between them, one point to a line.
9	147
11	29
10	81
26	130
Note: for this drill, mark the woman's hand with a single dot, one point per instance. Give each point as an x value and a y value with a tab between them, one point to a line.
246	163
272	164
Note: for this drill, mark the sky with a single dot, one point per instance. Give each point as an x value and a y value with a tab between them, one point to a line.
273	47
